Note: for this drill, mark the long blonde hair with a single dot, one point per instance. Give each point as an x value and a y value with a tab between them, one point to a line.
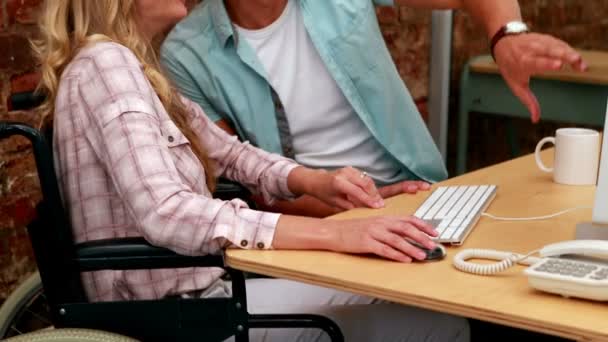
69	25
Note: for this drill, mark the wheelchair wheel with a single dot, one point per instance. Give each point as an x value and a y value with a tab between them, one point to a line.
25	310
71	335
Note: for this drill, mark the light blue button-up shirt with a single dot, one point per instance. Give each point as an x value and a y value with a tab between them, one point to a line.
211	66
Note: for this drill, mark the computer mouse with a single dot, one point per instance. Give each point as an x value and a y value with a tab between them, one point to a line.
436	253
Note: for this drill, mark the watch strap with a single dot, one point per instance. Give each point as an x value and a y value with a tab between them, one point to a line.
502	32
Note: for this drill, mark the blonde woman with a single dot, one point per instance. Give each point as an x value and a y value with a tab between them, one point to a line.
134	158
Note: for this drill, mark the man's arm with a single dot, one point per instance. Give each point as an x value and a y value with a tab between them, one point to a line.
519	57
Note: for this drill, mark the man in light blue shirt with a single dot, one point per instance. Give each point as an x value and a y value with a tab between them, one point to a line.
314	81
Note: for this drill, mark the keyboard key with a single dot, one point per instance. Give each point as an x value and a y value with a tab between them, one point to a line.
451	202
439	203
461	202
453	210
479	191
429	202
433	223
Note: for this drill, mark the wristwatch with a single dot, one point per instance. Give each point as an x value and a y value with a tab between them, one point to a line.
510	29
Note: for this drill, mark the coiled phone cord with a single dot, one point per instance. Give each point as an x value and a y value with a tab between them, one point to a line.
507	260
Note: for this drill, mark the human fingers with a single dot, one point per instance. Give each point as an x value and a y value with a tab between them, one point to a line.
533	64
554	48
343	203
397	243
522	90
420	224
356	194
387	251
362	180
391	190
413	187
409	232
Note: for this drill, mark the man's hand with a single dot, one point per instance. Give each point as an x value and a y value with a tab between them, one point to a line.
407	187
519	57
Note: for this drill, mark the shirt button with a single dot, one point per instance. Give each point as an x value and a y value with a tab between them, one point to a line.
244	243
260	245
170	138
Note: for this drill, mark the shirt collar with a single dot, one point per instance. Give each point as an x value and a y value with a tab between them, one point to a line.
221	21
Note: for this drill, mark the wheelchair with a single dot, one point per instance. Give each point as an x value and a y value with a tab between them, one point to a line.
60	262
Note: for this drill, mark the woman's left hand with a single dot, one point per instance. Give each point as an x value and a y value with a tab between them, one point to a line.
345	188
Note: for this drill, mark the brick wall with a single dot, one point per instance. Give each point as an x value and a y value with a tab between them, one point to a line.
583	23
18	182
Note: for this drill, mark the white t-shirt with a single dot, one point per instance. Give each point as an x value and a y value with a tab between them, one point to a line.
327	133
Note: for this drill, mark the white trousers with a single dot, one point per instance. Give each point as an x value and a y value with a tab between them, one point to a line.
361	318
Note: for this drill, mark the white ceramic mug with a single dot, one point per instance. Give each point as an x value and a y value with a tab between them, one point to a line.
577	154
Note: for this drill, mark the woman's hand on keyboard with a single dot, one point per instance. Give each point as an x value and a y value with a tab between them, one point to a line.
405	187
384	236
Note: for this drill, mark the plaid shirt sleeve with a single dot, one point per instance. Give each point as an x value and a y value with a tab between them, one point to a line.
261	172
121	116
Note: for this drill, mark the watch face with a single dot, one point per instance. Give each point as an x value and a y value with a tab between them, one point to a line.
516	27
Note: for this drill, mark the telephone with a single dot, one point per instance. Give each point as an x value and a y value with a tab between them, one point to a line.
577	268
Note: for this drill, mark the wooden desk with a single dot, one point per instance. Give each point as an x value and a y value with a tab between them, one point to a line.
505	298
564	96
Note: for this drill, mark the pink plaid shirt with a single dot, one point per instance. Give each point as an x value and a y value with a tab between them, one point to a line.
125	169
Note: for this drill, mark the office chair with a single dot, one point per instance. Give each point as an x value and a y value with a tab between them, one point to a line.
60	263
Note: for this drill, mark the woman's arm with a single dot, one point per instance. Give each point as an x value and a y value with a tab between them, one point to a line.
383	236
276	177
139	147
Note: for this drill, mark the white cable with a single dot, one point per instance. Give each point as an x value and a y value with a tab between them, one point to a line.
499	218
507	260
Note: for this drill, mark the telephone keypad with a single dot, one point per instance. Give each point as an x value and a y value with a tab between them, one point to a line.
602	274
573	268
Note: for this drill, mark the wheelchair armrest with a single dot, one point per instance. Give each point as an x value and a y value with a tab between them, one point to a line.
226	190
136	253
25	100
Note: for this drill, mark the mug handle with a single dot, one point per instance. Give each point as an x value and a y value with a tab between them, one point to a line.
540	145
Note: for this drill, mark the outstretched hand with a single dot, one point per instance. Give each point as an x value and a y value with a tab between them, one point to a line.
522	56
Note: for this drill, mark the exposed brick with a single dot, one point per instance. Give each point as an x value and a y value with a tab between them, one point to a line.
17	57
388	15
28	12
24	82
16	259
19	176
3	16
413	16
29	117
22	210
22	11
423	107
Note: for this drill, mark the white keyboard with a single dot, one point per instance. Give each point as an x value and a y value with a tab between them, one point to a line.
454	210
